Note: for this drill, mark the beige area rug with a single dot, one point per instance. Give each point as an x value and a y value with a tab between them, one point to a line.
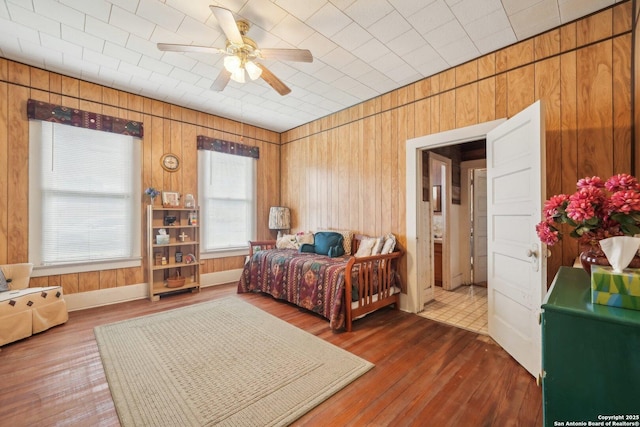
223	362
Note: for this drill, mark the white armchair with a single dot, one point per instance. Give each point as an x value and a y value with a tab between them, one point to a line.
25	311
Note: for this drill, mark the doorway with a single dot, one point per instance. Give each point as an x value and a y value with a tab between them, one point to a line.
460	301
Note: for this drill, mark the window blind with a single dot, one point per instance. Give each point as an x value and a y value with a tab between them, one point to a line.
84	195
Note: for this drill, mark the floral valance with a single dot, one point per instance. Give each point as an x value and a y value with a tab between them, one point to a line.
212	144
70	116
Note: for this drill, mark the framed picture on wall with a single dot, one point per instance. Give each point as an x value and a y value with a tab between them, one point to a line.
436	197
170	199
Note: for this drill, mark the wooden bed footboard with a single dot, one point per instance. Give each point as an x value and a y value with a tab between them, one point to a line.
376	285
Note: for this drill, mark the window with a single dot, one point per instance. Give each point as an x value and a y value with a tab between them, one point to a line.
227	200
84	199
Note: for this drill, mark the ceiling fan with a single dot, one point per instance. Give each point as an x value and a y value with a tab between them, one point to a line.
242	54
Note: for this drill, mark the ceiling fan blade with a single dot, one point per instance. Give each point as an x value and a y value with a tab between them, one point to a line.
168	47
228	24
298	55
221	81
273	81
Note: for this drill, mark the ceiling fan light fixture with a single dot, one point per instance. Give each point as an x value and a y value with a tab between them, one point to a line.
238	75
253	70
232	63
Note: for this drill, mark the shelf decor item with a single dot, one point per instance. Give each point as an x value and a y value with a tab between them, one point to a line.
152	193
596	211
170	199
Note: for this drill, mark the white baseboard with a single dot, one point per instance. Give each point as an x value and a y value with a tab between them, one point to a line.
102	297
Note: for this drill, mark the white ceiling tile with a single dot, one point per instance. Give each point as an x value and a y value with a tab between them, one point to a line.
99	59
99	9
32	20
338	57
133	23
160	14
59	45
495	41
408	7
130	5
46	55
387	62
471	10
318	44
4	12
264	13
196	9
481	28
351	36
389	27
367	12
536	19
105	31
292	30
327	74
301	9
445	34
515	6
10	29
59	12
205	71
163	80
459	51
77	64
328	20
433	16
143	46
371	50
153	64
198	33
407	43
81	38
356	68
25	4
121	53
574	9
134	70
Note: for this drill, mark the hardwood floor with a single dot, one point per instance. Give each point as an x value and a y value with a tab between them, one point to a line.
426	373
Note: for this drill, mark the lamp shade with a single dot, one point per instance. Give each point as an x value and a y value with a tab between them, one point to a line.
279	218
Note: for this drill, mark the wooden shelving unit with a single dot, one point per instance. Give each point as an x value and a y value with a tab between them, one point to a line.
184	236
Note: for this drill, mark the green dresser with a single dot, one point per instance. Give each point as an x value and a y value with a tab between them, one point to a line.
590	356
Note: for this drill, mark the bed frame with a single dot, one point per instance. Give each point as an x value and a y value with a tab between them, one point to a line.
368	299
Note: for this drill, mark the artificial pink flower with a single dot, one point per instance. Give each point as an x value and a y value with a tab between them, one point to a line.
621	182
582	204
590	181
551	206
625	201
547	233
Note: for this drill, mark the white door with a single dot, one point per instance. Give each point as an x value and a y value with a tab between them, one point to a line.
479	225
425	266
516	271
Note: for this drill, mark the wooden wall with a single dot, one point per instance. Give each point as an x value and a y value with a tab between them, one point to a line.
347	170
167	128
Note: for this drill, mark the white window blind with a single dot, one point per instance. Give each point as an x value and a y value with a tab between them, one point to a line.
227	200
84	196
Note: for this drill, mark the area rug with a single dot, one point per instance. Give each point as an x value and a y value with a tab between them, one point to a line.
223	362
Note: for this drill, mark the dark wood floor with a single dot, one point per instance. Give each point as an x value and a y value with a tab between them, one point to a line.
426	373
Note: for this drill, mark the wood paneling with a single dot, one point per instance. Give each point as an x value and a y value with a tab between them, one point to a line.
582	72
167	128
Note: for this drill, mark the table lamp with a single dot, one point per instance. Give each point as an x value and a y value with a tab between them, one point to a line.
279	219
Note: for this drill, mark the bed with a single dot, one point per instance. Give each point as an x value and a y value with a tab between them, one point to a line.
340	289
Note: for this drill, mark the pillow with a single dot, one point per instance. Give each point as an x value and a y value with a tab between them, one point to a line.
287	241
376	250
4	285
328	243
366	246
389	244
303	237
308	248
346	243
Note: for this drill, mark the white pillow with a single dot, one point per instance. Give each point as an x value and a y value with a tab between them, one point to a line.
377	249
287	241
389	244
304	237
366	246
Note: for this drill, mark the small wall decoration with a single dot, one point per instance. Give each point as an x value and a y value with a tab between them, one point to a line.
170	199
170	162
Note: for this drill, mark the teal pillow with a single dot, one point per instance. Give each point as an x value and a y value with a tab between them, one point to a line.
329	243
307	247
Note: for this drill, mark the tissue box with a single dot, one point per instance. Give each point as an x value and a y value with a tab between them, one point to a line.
162	239
615	289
